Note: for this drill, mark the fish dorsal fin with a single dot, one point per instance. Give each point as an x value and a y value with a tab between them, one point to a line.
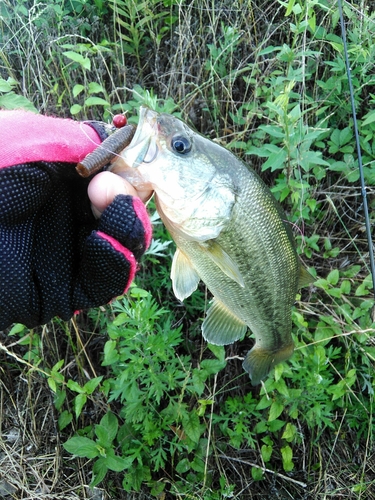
222	260
184	277
221	326
304	278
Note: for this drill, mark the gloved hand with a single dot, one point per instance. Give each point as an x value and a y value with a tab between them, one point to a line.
55	256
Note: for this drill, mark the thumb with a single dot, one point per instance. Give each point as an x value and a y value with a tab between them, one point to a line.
104	187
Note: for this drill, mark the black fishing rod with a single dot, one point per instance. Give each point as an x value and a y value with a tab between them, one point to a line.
359	153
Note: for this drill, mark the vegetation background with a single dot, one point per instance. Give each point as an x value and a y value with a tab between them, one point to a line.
128	401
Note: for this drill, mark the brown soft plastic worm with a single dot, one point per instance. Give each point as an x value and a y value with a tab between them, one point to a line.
104	153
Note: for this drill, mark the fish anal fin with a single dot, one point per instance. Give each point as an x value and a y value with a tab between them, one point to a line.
221	326
220	257
304	278
259	361
184	277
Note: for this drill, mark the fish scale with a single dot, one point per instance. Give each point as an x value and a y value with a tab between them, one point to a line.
230	232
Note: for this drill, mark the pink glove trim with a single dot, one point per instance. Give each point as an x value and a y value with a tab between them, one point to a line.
142	214
125	252
28	137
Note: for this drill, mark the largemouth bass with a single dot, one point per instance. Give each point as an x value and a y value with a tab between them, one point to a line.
229	230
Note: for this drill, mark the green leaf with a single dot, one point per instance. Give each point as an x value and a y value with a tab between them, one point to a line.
95	88
287	457
192	427
290	432
183	466
17	328
77	89
136	476
257	473
199	378
275	160
110	423
312	21
65	419
265	402
59	398
116	463
276	425
111	354
370	118
99	470
273	131
212	366
268	50
335	292
79	402
197	464
345	287
78	58
75	109
82	447
289	7
218	351
266	451
333	277
346	135
5	86
52	384
74	386
92	384
104	439
96	101
313	157
56	367
15	101
275	411
364	287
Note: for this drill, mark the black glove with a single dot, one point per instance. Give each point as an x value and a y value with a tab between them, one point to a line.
55	257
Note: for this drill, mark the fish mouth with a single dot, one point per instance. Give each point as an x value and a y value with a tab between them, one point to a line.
142	149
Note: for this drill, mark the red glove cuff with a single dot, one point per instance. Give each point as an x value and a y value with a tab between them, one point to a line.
126	253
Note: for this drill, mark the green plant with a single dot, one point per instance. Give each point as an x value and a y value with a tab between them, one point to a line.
12	100
142	24
152	386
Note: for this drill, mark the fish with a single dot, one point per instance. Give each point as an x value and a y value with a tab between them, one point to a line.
230	232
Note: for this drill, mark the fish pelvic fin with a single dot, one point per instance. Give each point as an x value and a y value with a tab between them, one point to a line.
259	361
184	277
220	257
304	278
221	326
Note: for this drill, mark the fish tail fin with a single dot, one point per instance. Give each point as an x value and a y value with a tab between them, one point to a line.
259	361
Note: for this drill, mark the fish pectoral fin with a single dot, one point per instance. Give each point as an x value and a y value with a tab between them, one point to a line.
304	278
184	277
221	326
223	260
259	361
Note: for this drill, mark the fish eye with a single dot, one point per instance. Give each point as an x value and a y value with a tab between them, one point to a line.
181	144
